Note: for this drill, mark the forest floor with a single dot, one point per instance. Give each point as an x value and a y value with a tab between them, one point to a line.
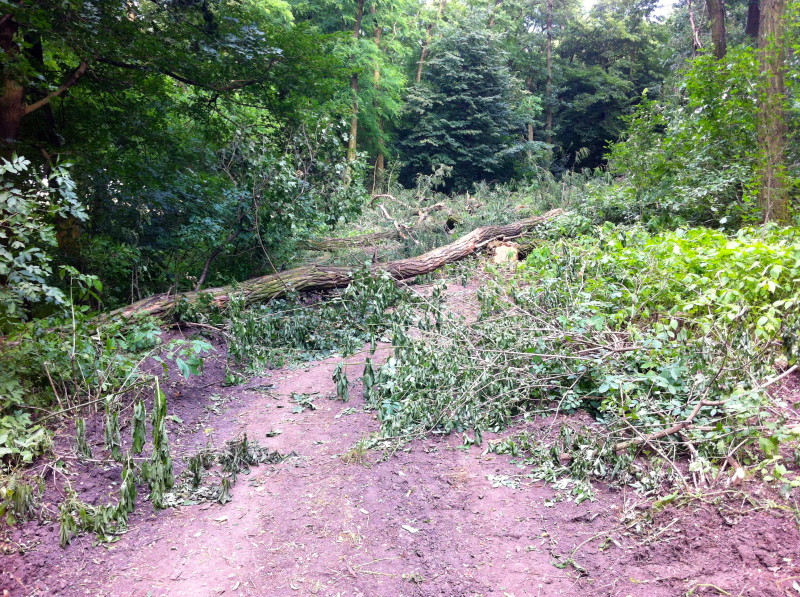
433	518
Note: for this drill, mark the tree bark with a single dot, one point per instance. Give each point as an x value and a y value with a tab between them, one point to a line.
12	102
13	108
315	277
773	129
696	43
352	142
753	19
716	14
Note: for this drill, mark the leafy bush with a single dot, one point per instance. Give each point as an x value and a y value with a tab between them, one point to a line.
691	157
665	339
30	202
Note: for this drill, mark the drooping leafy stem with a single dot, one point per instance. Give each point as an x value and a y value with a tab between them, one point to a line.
158	470
368	378
113	438
342	383
82	447
139	421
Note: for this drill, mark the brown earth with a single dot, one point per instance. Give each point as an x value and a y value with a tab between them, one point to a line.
434	518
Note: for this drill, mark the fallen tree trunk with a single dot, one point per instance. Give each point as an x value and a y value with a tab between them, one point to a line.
315	277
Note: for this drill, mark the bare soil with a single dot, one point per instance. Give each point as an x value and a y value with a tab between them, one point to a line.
424	521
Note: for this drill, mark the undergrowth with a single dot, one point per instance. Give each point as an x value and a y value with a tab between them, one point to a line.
669	341
288	331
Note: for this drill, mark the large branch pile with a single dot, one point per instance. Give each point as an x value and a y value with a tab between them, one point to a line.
314	277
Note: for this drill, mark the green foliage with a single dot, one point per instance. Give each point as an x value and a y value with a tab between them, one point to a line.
368	378
642	331
18	499
21	440
139	421
30	203
82	447
112	435
285	331
158	469
461	115
342	383
699	276
691	157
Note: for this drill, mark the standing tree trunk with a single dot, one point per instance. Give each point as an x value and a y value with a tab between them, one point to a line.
13	108
12	102
773	130
548	88
753	19
696	43
380	165
423	53
716	14
352	142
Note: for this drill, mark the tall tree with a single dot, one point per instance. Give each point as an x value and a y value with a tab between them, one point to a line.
461	114
716	15
433	20
352	140
773	130
548	94
608	58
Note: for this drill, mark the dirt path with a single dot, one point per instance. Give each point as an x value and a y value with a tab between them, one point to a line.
426	521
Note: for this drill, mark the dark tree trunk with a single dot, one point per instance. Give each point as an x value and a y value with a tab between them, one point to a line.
696	43
753	19
716	14
423	54
12	102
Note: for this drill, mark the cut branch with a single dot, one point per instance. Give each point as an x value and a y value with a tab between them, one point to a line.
677	428
316	277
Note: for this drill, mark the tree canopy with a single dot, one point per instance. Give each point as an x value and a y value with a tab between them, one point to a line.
200	131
